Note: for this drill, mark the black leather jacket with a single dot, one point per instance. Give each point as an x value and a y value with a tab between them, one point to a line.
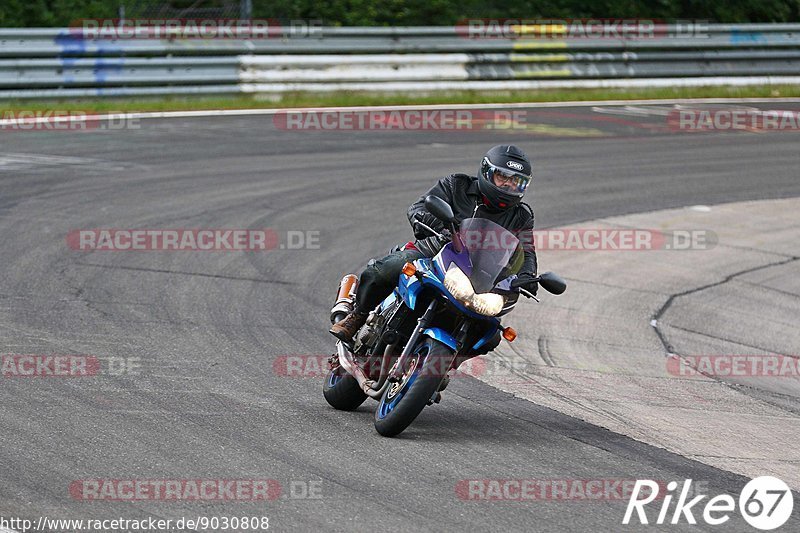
461	192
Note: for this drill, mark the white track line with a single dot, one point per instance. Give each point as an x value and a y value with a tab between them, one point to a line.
78	117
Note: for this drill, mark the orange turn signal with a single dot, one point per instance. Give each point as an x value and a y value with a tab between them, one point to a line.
409	269
509	334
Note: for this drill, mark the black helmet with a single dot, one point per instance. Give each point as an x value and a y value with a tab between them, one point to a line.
510	164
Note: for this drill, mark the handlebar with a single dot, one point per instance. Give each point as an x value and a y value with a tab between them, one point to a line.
517	283
418	221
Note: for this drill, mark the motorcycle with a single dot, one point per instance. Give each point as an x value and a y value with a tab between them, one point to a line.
441	313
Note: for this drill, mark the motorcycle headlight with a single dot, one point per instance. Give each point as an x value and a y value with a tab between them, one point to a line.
458	284
488	304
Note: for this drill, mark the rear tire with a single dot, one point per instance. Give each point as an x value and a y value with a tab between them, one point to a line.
341	390
403	402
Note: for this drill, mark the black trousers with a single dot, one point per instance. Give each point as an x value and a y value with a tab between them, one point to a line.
379	279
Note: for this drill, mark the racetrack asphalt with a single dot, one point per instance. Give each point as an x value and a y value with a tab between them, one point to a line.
206	328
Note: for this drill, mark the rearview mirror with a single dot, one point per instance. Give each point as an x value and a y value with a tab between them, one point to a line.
439	208
552	283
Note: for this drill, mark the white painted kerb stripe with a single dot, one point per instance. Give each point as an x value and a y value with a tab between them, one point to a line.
274	111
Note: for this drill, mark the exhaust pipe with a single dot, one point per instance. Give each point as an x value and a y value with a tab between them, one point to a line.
345	297
349	364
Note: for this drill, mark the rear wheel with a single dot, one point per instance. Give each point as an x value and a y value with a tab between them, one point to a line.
341	390
404	401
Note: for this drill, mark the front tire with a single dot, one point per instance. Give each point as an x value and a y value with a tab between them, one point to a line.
404	401
341	390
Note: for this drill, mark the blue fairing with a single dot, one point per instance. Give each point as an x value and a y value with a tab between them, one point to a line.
442	336
486	338
409	289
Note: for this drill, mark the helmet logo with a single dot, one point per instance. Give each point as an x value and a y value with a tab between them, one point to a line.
514	165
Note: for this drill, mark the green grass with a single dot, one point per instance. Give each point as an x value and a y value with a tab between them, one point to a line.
303	99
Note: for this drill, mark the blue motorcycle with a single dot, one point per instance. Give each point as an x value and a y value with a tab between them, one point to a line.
443	311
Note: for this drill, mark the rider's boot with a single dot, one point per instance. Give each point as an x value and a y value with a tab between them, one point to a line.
345	329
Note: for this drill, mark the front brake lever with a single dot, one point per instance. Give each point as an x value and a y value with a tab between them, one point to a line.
528	294
425	226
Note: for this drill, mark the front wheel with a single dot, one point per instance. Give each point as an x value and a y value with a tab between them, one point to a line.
404	401
341	390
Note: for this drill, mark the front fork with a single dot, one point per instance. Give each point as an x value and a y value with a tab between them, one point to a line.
376	389
370	387
422	324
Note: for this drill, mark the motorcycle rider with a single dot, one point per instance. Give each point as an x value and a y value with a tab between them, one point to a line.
496	194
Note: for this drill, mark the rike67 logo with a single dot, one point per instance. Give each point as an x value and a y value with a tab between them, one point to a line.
765	503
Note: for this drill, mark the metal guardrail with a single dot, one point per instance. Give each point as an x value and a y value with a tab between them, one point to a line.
52	62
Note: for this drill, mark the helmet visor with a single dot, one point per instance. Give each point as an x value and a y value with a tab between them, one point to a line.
505	178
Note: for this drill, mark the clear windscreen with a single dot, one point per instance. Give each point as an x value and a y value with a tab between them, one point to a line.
491	249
